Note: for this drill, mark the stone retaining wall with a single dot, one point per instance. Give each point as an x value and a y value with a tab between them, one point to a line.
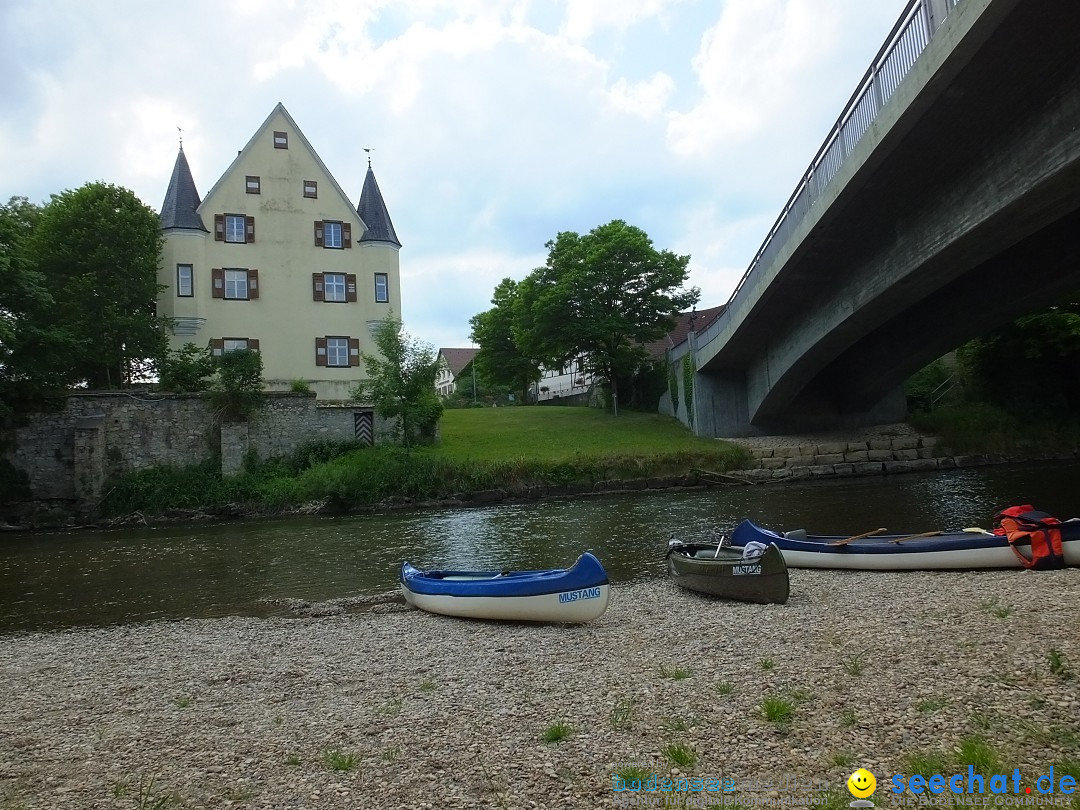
874	456
69	453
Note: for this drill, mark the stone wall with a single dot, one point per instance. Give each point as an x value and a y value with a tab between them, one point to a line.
873	456
68	454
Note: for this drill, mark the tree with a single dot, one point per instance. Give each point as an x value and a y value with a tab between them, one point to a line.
238	387
499	360
188	370
1042	347
601	296
401	384
34	351
97	251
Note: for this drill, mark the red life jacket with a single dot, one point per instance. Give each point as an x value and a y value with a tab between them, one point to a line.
1023	525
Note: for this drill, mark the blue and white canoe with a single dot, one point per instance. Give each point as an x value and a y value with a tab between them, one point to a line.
896	552
575	594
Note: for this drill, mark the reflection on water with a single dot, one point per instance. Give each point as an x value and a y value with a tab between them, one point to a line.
88	578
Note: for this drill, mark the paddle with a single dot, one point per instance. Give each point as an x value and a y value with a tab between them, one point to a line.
915	536
847	540
719	545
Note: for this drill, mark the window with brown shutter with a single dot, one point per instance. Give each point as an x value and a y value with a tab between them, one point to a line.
217	347
253	344
252	184
346	234
350	288
281	140
253	284
250	228
354	351
320	351
316	287
311	189
318	233
217	282
219	227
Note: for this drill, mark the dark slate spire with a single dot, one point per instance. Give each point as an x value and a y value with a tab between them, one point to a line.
372	211
180	209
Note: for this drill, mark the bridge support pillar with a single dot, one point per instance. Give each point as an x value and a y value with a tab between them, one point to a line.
720	406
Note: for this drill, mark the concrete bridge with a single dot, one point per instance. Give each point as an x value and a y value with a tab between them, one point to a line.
945	202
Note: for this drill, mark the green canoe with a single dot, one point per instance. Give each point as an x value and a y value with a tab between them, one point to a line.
726	572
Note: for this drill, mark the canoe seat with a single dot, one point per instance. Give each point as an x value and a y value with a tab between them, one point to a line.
796	534
704	554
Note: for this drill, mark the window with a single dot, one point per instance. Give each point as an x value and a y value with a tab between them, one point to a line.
311	189
334	287
333	234
218	346
252	185
185	280
236	228
382	288
281	140
235	283
337	352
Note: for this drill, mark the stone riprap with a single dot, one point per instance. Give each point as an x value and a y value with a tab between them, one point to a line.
873	451
423	711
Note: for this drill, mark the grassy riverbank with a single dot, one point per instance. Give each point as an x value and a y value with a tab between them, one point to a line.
512	449
980	427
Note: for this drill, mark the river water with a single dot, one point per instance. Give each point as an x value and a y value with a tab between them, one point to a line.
60	580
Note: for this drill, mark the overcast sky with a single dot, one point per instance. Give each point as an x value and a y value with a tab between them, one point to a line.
495	125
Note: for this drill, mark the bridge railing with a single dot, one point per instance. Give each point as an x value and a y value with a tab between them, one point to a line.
907	40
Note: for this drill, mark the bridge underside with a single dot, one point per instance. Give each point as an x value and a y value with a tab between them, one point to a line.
965	216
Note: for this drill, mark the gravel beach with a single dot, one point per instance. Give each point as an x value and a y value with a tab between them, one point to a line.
445	713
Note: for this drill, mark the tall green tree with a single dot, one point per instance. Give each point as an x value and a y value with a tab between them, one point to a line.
1044	347
34	351
602	296
401	384
499	359
96	250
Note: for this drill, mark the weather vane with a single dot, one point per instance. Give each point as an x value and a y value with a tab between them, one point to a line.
178	129
369	150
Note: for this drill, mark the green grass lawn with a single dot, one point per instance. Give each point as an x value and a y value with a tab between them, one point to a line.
548	433
513	448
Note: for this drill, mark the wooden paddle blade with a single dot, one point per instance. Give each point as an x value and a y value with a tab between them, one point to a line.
916	536
862	536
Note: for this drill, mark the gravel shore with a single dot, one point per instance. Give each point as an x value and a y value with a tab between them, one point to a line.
446	713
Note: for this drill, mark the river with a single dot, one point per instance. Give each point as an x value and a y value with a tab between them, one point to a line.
60	580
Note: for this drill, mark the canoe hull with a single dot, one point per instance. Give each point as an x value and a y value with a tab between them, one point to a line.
575	594
763	580
949	551
541	608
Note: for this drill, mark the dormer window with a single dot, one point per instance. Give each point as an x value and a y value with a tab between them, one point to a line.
281	140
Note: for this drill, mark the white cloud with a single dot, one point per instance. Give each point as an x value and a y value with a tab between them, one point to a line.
646	99
496	123
585	17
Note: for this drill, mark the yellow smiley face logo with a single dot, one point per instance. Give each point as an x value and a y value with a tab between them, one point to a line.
862	783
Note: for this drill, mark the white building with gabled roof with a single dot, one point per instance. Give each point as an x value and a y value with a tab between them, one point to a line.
277	259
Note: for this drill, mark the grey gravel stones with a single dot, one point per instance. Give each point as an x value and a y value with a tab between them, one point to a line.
444	713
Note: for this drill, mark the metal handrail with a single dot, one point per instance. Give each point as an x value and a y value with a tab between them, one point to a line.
905	42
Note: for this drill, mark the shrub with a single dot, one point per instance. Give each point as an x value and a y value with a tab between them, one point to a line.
185	370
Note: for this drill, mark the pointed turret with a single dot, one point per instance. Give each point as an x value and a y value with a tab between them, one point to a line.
180	209
372	211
